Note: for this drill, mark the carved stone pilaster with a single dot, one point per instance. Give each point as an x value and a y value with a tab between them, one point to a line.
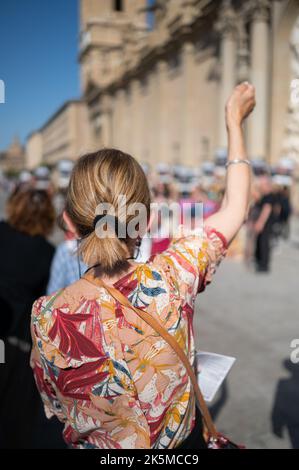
188	49
189	12
243	53
226	24
188	135
227	29
290	146
259	10
258	126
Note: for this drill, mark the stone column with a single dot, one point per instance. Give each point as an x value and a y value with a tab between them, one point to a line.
136	119
189	152
106	121
161	110
120	120
258	125
227	28
151	118
243	52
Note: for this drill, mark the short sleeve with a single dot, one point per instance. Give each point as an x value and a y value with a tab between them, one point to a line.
195	257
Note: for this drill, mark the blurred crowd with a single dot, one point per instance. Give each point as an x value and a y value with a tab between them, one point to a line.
33	211
268	216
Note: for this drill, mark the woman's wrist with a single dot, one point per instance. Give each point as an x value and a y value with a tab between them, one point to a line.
236	145
234	125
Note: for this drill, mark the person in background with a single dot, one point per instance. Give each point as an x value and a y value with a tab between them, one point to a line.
209	205
164	195
276	215
143	252
24	181
161	237
264	224
26	257
253	215
286	212
67	265
161	192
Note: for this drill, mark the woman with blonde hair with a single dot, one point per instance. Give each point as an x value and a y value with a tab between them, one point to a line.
101	358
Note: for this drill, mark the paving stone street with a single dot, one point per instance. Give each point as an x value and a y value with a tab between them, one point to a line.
254	317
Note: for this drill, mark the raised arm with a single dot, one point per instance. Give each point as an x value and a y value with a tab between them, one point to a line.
233	212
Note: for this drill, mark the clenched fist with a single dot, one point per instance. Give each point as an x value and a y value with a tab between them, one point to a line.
240	104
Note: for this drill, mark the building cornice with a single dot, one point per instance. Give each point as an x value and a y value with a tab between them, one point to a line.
258	10
59	111
226	25
183	29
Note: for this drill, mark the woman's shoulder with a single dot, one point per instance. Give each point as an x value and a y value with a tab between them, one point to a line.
67	299
45	303
42	318
64	328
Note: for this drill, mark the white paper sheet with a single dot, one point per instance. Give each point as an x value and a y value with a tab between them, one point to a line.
212	369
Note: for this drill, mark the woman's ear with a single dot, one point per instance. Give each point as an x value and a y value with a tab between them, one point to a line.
71	227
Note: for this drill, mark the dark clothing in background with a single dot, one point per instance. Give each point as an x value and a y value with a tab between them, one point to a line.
24	271
285	215
263	241
286	208
268	199
262	251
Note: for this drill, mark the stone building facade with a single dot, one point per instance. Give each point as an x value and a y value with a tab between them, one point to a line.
34	150
12	160
156	85
65	136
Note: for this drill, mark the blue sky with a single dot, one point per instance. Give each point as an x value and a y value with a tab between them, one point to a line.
38	62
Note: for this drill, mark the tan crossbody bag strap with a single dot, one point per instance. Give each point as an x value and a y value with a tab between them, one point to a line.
117	295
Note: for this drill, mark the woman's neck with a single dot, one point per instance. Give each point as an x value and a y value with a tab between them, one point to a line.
114	276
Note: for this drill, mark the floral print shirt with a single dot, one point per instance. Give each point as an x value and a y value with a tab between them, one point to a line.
101	370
